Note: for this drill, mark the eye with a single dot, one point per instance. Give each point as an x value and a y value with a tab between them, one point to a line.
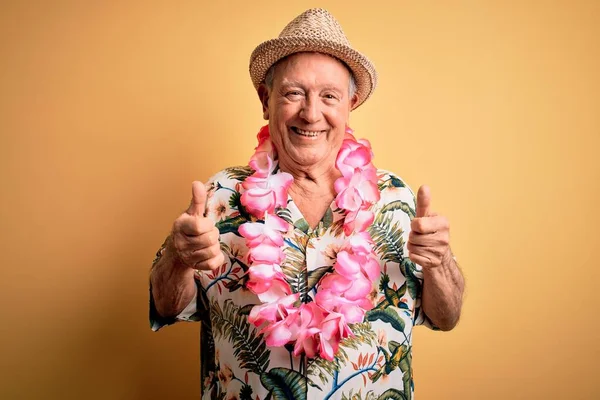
293	93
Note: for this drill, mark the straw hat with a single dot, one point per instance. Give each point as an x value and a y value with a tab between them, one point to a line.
314	30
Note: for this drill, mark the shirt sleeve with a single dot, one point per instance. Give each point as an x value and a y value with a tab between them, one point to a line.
419	316
190	313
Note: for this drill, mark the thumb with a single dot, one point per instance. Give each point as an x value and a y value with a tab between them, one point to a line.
198	203
423	202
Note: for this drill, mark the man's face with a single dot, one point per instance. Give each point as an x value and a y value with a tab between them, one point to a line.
308	108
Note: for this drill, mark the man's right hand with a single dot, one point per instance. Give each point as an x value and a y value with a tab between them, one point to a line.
195	238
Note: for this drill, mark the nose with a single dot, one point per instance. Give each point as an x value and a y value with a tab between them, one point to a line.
311	111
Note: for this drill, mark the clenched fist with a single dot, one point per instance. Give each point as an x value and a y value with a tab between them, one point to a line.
195	238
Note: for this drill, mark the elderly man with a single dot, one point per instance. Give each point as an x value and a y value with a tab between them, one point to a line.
309	268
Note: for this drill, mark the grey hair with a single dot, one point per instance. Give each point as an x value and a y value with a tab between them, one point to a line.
271	74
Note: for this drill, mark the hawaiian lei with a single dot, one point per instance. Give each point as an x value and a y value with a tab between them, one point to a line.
342	297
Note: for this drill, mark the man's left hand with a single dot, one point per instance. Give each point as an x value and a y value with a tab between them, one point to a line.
429	239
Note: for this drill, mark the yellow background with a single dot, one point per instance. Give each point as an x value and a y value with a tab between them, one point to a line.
108	111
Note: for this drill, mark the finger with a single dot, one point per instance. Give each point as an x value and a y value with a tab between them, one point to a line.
191	254
422	261
193	226
433	253
198	204
207	239
212	263
427	225
189	244
423	202
437	239
206	253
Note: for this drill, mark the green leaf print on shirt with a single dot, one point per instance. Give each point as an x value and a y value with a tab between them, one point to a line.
231	225
315	276
399	205
249	347
407	378
327	219
370	395
393	394
399	356
408	268
294	265
239	173
388	315
389	243
285	384
285	214
302	225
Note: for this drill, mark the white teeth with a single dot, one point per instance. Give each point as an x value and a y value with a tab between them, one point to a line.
307	133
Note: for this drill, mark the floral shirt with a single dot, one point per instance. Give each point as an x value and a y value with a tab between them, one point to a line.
376	363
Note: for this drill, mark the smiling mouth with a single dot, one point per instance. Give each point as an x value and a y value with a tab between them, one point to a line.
304	133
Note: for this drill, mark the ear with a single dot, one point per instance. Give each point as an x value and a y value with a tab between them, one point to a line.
353	101
263	95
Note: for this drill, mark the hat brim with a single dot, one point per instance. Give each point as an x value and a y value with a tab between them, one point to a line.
268	53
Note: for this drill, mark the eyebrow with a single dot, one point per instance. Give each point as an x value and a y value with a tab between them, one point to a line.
291	83
299	84
332	87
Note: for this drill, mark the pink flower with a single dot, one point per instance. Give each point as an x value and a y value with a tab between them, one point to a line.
268	282
262	136
264	194
279	333
358	221
360	243
353	266
333	330
353	310
269	232
262	160
298	325
266	253
354	155
273	311
286	330
357	192
352	289
356	269
308	325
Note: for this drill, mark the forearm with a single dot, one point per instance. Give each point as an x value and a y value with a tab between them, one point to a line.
443	289
173	285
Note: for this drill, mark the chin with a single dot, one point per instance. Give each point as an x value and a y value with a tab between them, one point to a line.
308	160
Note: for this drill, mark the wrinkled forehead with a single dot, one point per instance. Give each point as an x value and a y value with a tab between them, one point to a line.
312	66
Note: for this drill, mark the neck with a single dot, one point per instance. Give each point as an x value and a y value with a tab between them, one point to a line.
312	182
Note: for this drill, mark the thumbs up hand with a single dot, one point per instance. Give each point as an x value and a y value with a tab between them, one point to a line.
429	239
195	238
